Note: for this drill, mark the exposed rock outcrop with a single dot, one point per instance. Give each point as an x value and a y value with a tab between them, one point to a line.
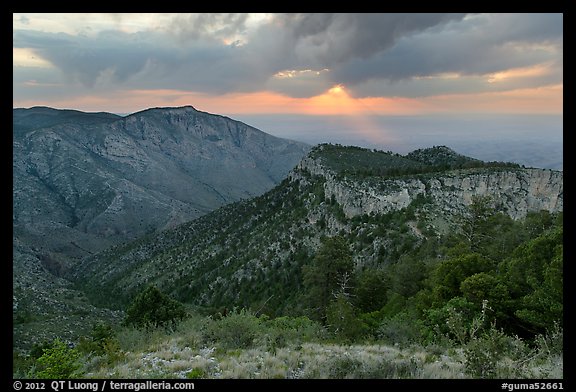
515	190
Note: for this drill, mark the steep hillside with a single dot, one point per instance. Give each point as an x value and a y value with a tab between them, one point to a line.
85	181
45	305
251	253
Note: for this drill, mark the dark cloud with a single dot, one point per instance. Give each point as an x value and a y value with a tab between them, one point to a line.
317	41
366	52
328	39
471	84
86	59
484	46
207	26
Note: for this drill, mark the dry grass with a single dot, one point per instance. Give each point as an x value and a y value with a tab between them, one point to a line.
173	357
312	360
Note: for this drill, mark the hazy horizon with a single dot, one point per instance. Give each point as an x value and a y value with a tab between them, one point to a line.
531	140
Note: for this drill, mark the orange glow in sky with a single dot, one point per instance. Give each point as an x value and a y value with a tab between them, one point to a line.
336	101
262	64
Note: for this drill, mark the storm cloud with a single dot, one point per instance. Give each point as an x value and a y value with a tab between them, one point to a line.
303	55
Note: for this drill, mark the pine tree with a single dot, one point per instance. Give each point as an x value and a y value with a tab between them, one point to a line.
152	308
324	276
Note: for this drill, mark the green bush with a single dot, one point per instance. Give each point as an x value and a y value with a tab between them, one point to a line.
237	330
483	353
58	361
196	373
152	308
297	329
282	331
401	329
453	320
96	342
37	349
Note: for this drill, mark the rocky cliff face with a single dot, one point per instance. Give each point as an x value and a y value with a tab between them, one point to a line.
515	191
218	258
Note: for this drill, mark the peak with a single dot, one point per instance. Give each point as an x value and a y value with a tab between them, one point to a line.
439	155
168	110
435	149
187	108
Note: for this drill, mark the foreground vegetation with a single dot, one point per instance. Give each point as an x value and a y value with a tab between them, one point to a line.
243	345
481	311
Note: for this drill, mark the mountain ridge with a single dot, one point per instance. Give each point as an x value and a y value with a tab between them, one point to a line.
83	182
218	259
154	158
250	253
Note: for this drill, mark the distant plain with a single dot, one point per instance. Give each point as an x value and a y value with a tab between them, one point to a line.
530	140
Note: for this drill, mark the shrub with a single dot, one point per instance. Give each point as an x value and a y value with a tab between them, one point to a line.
482	354
237	330
552	343
347	366
344	367
297	329
453	320
196	373
343	321
281	331
58	361
152	308
100	337
401	329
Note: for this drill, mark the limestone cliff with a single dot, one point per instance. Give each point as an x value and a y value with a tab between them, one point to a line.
515	191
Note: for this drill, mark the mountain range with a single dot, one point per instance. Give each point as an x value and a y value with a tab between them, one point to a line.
219	214
95	179
83	182
251	253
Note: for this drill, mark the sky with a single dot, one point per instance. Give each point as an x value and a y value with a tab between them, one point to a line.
290	71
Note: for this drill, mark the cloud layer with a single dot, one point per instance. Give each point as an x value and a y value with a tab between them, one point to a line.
297	55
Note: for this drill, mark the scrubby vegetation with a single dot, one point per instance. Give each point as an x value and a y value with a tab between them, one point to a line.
287	285
207	347
358	162
448	308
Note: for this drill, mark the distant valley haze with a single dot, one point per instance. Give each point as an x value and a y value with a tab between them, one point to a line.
530	140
